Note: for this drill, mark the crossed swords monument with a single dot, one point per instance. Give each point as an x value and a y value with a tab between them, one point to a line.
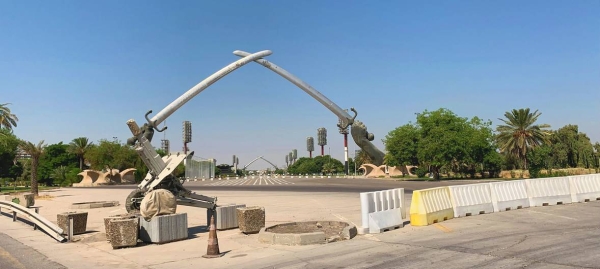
160	169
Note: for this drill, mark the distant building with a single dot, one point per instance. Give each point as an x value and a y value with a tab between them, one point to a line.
22	155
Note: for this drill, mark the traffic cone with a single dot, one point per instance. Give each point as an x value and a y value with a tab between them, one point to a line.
212	251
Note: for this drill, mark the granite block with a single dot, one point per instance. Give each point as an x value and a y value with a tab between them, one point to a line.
225	216
123	232
165	228
79	221
251	219
116	217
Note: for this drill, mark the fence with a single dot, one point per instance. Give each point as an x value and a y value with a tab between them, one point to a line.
197	168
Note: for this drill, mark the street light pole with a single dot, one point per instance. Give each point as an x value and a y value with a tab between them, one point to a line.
344	131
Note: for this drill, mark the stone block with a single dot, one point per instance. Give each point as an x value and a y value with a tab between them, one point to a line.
24	199
164	229
123	232
251	219
225	216
116	217
79	221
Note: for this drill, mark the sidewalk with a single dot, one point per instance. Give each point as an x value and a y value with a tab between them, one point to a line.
91	250
557	237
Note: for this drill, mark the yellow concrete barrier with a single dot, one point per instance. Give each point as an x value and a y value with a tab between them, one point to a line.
430	206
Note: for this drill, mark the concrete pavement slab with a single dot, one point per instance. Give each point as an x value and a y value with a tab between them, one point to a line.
563	236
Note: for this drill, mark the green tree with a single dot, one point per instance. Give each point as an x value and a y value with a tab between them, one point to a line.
443	142
362	158
55	155
112	155
8	151
59	175
35	151
315	165
329	168
15	171
401	145
492	163
571	148
161	152
539	159
8	120
520	133
597	155
480	147
79	146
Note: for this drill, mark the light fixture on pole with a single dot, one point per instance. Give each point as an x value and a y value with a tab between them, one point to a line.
344	131
310	145
322	139
187	135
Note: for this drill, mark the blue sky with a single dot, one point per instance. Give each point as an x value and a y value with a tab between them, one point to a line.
83	68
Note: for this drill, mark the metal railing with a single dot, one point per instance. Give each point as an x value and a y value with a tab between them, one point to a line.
38	221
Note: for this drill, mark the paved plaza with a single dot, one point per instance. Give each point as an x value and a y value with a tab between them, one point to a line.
562	236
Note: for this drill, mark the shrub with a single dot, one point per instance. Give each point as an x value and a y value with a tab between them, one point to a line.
421	171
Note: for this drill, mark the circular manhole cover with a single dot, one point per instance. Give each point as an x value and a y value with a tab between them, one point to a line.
307	233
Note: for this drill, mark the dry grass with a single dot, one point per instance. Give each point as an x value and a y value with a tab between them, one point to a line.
44	197
525	173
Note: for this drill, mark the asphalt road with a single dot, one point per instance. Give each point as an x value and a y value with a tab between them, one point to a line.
15	255
345	185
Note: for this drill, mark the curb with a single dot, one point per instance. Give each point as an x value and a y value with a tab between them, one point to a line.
301	239
90	205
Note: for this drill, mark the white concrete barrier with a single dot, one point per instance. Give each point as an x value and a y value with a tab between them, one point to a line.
471	200
383	209
548	191
509	195
585	188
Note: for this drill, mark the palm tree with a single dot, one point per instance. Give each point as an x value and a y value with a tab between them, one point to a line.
521	134
7	119
328	168
79	146
35	151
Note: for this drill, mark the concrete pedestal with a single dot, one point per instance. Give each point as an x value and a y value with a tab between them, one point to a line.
123	232
24	199
251	219
225	216
164	229
79	221
116	217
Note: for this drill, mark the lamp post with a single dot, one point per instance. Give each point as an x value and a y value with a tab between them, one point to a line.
187	135
322	139
344	131
310	145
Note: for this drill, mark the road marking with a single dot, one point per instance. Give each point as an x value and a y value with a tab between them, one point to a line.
552	215
442	227
257	181
11	260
